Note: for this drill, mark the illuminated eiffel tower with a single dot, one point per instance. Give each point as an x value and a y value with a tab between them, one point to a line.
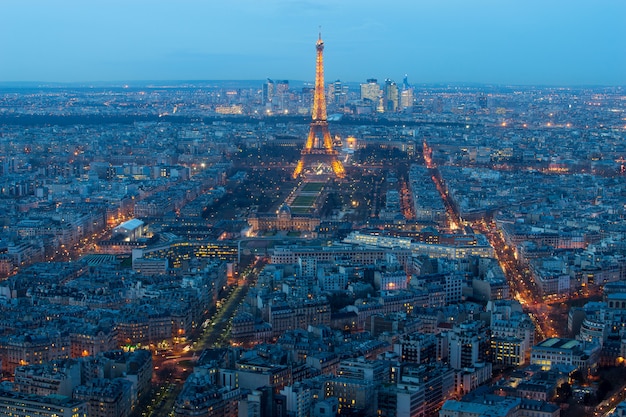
319	144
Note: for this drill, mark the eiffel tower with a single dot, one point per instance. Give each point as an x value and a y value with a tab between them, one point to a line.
319	145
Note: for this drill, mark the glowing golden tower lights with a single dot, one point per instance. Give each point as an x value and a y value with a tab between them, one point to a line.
319	125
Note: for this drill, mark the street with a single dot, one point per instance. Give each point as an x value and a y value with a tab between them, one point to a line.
172	368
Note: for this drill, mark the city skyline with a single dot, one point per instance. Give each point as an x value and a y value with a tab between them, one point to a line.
175	250
433	42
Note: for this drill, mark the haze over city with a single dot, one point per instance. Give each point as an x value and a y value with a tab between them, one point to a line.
483	41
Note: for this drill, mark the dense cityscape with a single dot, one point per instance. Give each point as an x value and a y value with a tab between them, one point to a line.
286	248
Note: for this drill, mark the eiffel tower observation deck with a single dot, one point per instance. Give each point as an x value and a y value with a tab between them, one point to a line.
319	144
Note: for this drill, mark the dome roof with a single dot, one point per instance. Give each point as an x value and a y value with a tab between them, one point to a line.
284	209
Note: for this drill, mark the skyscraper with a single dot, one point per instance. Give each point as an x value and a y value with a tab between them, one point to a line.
268	91
275	93
406	95
391	96
337	93
281	94
371	91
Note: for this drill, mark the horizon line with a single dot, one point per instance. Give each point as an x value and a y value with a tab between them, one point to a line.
128	83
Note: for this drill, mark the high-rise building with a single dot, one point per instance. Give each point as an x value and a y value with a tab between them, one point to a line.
337	93
391	96
276	94
371	91
406	99
281	100
406	95
268	91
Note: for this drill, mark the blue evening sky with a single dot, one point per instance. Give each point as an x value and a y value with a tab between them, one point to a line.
553	42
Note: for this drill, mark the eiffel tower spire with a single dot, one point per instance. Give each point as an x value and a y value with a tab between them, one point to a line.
320	150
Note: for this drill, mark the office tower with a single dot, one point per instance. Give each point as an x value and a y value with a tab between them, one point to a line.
391	97
371	91
268	91
406	95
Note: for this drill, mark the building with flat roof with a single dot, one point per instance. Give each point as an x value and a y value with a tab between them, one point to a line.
557	351
131	229
338	253
353	394
496	407
475	245
17	404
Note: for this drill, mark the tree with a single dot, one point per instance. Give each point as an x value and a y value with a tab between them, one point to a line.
563	392
603	389
577	376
